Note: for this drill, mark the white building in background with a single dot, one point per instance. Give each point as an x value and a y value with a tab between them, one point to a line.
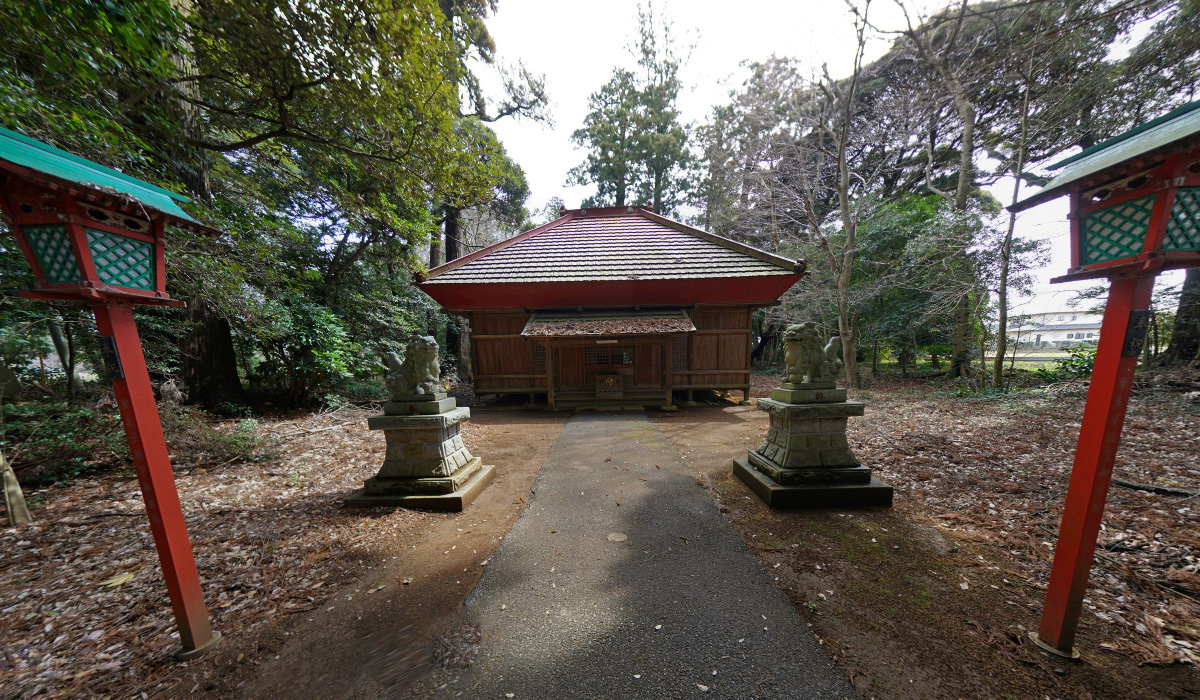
1055	329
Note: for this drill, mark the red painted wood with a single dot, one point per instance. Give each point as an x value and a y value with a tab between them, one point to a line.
547	295
160	258
1156	229
1099	436
139	414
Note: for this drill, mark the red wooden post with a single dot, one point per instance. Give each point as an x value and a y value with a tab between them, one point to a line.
139	414
1100	433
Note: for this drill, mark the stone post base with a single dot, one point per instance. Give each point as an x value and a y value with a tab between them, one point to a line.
806	462
427	465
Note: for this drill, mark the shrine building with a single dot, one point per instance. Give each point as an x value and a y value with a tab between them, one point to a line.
611	306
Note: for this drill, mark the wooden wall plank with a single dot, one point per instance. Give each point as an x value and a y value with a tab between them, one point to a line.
648	363
569	368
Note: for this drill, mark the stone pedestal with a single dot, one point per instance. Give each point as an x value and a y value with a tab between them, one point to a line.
805	461
427	465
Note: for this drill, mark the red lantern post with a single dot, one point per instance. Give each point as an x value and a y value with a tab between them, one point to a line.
1135	211
94	235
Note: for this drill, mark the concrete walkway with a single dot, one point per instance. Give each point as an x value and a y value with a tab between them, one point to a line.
623	581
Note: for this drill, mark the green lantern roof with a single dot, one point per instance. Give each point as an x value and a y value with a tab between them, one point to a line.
1171	128
54	164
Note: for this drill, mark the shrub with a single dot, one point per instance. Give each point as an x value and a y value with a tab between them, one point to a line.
49	442
1077	366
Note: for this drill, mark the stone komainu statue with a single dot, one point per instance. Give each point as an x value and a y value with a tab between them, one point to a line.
806	359
417	374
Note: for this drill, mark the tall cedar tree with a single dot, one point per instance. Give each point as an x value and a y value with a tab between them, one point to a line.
636	146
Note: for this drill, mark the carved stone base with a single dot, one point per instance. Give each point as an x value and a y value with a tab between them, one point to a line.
457	500
805	460
808	395
421	407
818	384
813	495
426	464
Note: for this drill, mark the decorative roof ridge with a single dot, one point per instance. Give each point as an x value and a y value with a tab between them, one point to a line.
471	257
607	211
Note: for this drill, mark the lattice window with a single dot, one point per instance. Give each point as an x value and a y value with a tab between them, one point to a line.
539	359
610	355
122	261
1183	230
53	251
1117	231
679	354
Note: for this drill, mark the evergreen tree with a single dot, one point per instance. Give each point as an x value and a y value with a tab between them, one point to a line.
635	142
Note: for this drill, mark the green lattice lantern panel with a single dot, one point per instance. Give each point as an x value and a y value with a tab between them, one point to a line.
1183	229
52	248
1115	232
122	261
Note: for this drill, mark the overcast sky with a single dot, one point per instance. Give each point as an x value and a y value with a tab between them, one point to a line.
577	44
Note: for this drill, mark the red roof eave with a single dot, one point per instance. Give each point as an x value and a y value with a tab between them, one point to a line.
548	295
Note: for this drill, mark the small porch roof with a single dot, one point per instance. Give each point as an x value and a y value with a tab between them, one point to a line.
564	324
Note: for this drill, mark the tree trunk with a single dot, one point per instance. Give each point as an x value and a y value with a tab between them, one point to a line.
435	250
454	251
209	372
849	341
454	246
69	368
1184	347
60	342
454	339
982	339
766	352
465	370
960	362
65	357
1006	250
9	384
189	162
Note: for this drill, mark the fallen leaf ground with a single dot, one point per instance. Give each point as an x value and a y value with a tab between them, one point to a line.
934	597
929	599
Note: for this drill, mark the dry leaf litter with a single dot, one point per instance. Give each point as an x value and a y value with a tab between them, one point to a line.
83	606
996	472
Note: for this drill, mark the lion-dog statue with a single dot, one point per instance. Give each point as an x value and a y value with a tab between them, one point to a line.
806	359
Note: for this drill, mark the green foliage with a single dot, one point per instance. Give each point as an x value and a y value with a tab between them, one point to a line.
70	69
48	442
1077	366
318	137
304	345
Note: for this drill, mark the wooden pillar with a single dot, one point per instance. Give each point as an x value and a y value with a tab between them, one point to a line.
143	430
668	354
550	374
1121	338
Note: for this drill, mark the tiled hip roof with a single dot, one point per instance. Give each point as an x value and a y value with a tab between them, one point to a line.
611	247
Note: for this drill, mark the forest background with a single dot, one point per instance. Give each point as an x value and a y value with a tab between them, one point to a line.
343	148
